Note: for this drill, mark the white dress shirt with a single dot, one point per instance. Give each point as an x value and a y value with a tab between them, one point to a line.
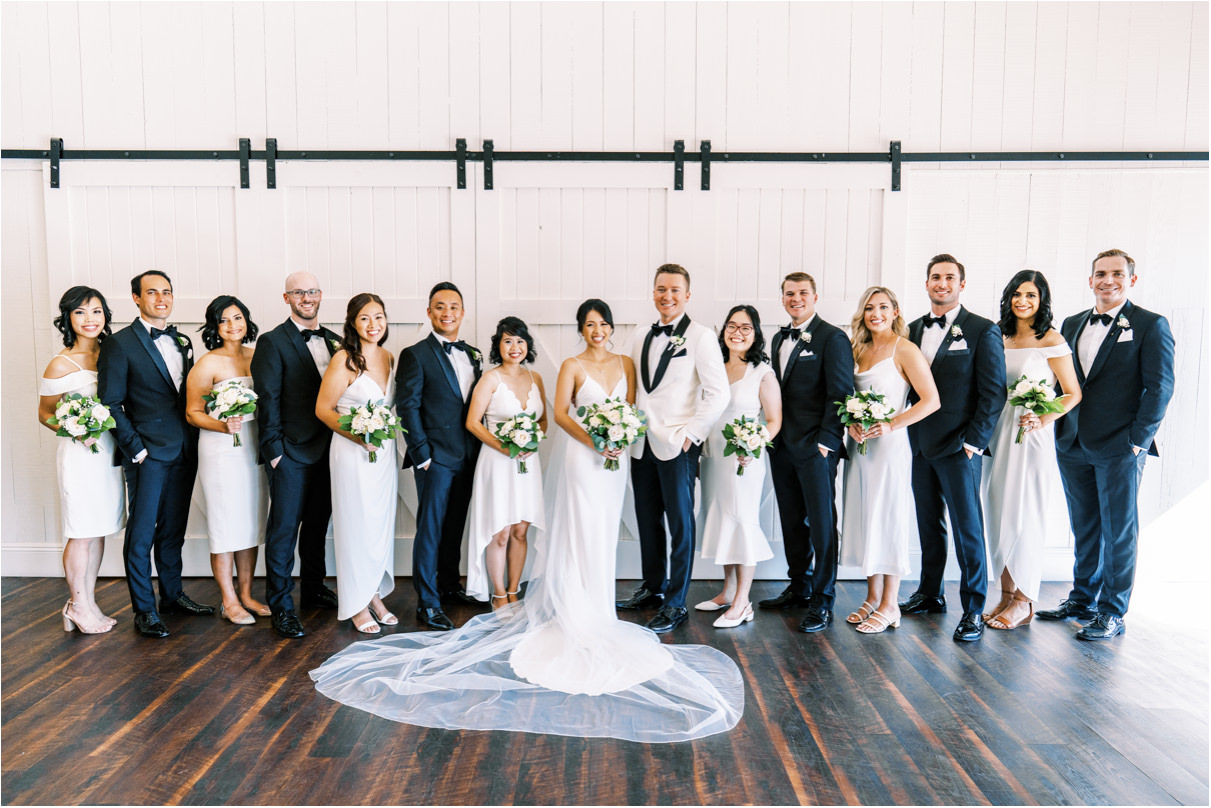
931	341
655	349
171	353
461	361
317	347
784	355
1091	339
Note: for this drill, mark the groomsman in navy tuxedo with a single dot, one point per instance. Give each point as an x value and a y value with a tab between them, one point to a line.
1125	369
814	364
141	378
287	369
432	392
684	390
967	357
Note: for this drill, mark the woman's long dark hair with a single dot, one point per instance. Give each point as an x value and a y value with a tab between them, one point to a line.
73	299
755	355
512	327
1042	318
210	329
351	342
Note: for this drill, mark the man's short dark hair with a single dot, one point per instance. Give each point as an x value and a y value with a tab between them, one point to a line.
443	287
1112	254
673	269
946	258
799	277
136	283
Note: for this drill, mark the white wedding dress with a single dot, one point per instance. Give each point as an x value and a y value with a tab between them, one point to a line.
234	488
559	661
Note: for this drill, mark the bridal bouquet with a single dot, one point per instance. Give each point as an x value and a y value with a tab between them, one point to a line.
1037	397
81	418
613	424
371	423
745	437
865	409
229	399
521	433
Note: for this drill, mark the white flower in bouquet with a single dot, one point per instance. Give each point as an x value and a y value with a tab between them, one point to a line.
73	426
520	434
744	437
230	399
372	423
864	408
612	425
63	409
613	416
616	433
878	411
1035	397
855	406
99	413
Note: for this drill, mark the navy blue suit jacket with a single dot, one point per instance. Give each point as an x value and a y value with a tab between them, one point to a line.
817	374
430	406
1124	396
287	384
148	411
971	386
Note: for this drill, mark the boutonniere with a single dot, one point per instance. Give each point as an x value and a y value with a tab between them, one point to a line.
676	341
474	356
956	332
805	337
183	341
333	345
1123	323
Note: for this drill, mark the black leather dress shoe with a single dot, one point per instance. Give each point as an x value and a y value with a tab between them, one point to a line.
185	605
434	619
287	624
970	628
668	618
816	619
642	598
149	624
321	597
918	603
1067	610
1104	627
460	596
787	600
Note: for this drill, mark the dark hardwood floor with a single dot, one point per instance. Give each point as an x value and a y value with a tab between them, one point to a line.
218	714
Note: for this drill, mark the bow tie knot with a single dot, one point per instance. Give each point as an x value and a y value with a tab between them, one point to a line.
450	346
308	333
790	332
932	321
1096	318
156	333
657	329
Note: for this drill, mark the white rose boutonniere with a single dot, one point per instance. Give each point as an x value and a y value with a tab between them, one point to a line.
676	341
805	337
956	332
1123	323
333	345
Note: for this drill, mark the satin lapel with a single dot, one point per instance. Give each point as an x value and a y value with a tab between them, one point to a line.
775	352
800	345
295	338
916	332
1103	353
446	366
145	338
643	363
1072	343
948	338
670	349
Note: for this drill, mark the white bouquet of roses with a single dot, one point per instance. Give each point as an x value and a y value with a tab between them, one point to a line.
745	437
371	423
613	424
865	409
1037	397
229	399
518	434
81	418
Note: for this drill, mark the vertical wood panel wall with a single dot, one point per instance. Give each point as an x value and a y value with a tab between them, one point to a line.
823	76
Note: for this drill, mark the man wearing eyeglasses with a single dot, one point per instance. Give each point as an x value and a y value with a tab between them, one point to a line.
815	368
287	368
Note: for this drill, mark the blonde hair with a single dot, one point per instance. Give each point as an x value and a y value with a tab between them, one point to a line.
862	338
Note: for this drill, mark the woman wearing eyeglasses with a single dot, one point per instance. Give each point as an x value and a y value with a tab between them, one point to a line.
732	535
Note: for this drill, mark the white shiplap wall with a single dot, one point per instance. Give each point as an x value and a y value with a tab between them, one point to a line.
587	76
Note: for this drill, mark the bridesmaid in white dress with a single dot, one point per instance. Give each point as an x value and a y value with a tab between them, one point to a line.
234	489
363	493
504	502
1022	491
879	515
91	487
732	535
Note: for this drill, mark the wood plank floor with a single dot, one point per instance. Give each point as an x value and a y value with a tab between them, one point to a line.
218	714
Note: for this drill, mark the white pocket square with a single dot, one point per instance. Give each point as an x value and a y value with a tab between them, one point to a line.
1126	336
958	345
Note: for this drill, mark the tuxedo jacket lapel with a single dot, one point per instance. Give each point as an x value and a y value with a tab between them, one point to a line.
444	362
1072	343
151	348
800	346
667	354
1103	352
947	338
300	345
775	352
643	363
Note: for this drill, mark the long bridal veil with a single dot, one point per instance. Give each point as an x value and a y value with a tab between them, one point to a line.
557	662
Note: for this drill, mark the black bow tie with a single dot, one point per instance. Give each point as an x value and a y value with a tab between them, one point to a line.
460	344
308	333
667	330
171	331
932	321
789	332
1095	318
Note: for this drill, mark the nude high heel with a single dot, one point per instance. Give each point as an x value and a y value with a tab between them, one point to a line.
69	624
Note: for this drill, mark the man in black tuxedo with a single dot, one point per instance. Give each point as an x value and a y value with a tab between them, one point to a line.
287	369
141	378
1125	368
814	364
967	357
432	392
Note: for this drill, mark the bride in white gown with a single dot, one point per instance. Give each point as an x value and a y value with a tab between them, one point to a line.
559	661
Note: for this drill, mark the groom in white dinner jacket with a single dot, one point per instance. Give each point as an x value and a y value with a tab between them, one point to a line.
683	391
